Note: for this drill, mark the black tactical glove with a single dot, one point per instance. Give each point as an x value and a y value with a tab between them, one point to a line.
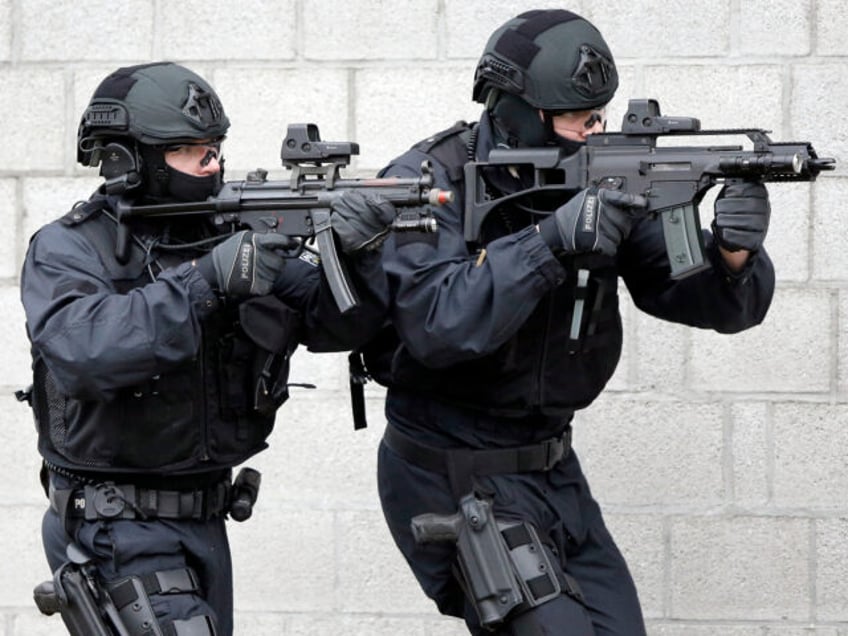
594	221
361	222
246	264
742	212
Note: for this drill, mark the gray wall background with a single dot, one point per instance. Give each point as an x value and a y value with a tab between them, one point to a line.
720	461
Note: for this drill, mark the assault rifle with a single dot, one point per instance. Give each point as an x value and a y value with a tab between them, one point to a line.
673	179
300	207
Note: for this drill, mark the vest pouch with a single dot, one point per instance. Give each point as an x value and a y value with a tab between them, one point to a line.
255	358
273	327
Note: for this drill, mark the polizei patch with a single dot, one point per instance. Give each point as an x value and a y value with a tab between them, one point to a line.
590	213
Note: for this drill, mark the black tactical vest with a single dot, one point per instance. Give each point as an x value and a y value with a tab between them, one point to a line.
212	412
542	368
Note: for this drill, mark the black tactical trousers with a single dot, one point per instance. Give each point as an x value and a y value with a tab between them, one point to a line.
559	505
136	547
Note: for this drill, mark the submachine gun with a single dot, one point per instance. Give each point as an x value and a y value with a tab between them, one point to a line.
674	179
300	207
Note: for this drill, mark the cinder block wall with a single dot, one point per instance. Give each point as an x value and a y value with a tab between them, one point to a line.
720	461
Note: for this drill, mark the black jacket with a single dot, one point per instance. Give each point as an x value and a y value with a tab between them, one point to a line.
491	331
141	368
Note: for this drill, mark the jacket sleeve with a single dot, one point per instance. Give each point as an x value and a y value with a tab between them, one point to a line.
95	340
713	299
449	305
303	286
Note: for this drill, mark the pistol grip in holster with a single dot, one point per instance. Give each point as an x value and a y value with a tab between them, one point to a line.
485	569
70	594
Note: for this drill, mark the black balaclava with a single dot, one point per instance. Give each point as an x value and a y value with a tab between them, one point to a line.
165	184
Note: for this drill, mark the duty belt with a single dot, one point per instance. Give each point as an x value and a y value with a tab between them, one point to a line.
462	464
108	500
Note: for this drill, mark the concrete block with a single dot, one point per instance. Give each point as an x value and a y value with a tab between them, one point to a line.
810	466
260	623
45	199
814	111
370	30
97	30
32	136
656	628
742	568
219	32
750	454
842	354
14	346
641	539
831	557
720	95
769	28
353	623
789	229
284	561
661	355
317	460
789	351
8	233
831	24
800	630
700	28
5	30
830	260
21	552
18	453
391	115
445	626
634	452
625	372
469	23
261	102
372	574
33	623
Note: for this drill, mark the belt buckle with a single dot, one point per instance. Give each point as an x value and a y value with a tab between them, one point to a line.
107	501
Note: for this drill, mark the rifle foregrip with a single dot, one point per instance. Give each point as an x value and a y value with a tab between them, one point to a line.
433	528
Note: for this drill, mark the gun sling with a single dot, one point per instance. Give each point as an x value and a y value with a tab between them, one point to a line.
461	464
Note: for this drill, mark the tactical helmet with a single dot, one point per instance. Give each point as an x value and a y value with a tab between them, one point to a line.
155	104
552	59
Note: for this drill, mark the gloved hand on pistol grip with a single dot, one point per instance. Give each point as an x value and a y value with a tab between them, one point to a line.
593	222
246	264
742	213
361	222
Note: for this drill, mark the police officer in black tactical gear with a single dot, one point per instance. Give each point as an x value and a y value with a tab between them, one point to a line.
488	357
159	370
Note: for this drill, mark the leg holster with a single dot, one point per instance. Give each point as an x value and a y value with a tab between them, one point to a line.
122	607
501	565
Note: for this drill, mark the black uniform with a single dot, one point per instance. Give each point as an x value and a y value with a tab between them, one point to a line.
145	378
488	359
